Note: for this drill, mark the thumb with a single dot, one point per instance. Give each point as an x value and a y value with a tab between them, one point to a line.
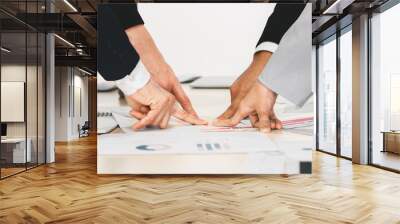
228	113
234	120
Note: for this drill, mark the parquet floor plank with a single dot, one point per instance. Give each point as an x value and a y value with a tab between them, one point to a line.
70	191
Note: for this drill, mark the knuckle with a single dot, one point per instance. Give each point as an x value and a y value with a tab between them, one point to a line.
234	87
244	109
151	120
185	116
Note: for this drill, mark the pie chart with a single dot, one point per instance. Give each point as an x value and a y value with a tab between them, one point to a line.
153	147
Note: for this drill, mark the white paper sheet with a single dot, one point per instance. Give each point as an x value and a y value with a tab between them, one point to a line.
185	139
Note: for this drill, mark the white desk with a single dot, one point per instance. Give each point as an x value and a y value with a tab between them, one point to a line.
19	155
291	150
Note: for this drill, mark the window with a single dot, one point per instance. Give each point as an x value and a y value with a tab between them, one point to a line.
333	137
22	75
346	93
385	89
327	96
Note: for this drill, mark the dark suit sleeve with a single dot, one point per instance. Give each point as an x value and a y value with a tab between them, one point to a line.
279	22
116	57
127	15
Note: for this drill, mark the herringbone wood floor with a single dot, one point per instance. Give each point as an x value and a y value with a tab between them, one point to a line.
70	191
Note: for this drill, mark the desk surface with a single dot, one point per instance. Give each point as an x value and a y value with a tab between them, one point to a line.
209	103
391	132
13	140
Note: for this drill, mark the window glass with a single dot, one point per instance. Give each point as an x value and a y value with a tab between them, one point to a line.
32	87
22	90
14	149
385	85
346	93
327	96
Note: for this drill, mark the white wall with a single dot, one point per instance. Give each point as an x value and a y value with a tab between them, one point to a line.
34	125
17	73
206	39
80	84
61	103
14	72
67	116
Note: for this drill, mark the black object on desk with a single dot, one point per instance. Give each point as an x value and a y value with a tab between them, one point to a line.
3	129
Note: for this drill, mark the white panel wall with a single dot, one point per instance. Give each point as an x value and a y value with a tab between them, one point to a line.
14	73
206	39
61	103
12	101
69	82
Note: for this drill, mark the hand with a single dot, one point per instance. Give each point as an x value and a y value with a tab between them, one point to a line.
153	101
258	105
154	106
239	90
155	63
241	87
166	78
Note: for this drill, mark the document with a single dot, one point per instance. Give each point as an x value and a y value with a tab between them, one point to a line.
185	140
202	149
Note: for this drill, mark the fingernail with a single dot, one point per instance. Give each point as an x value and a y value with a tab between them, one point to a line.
265	130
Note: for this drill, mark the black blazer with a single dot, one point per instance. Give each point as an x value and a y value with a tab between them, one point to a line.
281	19
116	57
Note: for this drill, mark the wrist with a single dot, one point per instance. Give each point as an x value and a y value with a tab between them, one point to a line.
153	62
158	67
136	80
258	64
261	58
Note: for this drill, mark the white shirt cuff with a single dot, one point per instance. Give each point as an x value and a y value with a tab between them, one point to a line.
267	46
137	79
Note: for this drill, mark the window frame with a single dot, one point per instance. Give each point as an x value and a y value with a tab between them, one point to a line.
371	13
334	37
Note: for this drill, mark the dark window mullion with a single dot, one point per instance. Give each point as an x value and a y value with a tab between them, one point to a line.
317	96
37	90
26	87
369	81
0	99
338	98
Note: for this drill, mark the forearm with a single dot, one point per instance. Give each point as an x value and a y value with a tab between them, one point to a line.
260	60
146	48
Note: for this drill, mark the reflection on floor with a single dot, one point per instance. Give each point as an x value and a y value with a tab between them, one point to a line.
346	151
386	159
10	171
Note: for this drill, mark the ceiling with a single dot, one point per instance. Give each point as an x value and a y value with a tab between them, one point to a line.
76	21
